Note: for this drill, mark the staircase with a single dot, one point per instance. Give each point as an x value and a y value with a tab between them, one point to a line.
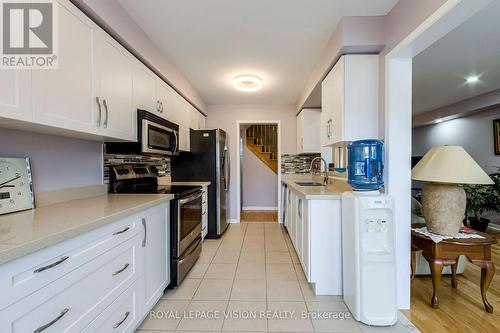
262	141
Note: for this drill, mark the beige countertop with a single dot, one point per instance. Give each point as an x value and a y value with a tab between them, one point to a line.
195	183
331	191
29	231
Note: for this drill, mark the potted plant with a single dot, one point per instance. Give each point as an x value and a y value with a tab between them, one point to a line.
480	199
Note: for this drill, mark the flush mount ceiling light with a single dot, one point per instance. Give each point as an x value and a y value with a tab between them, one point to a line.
247	82
472	79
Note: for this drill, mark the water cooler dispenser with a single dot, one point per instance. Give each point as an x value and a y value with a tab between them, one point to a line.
369	274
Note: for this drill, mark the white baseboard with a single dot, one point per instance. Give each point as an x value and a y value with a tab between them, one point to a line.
258	208
233	221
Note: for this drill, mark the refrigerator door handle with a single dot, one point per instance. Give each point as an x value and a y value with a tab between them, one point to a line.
227	170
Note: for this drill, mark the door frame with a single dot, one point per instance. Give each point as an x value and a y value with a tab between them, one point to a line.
238	164
398	124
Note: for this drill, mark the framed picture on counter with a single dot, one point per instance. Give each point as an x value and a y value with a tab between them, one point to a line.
496	135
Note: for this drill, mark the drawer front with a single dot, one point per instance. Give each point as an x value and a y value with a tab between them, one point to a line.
121	316
76	299
26	275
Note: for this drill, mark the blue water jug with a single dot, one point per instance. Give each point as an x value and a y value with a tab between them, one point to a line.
365	169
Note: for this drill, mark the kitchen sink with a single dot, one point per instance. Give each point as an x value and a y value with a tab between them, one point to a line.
309	184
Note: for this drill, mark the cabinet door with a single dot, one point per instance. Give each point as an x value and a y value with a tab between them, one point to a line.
114	81
15	94
194	120
203	122
310	128
298	232
300	133
337	102
145	89
305	238
156	248
62	97
165	96
326	110
184	130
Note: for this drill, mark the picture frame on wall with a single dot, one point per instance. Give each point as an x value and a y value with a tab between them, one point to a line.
496	135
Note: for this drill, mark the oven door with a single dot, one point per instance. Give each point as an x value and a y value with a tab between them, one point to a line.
158	139
189	220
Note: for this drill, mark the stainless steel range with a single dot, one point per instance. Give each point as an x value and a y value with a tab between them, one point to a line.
185	213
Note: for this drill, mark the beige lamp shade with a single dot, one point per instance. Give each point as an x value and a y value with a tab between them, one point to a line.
449	164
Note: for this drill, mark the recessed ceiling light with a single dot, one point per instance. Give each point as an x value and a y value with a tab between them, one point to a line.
247	82
472	79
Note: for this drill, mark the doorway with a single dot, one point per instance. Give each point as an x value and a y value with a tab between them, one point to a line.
258	171
398	123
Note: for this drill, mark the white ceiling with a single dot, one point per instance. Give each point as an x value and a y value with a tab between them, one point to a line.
211	41
473	48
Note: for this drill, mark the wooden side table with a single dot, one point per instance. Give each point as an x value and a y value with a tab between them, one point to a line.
446	252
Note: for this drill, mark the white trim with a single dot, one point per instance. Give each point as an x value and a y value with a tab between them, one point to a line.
398	111
258	208
233	221
237	153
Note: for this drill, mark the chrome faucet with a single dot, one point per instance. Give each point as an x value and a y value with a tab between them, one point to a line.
325	176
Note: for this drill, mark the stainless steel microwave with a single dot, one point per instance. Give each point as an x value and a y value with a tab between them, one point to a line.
155	136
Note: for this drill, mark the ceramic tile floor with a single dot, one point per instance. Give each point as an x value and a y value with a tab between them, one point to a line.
252	271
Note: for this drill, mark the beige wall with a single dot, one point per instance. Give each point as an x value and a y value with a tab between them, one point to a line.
259	183
474	133
226	117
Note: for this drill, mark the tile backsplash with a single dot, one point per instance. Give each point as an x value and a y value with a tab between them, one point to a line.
161	163
296	164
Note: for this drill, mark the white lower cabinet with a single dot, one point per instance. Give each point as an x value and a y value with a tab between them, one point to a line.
156	246
103	281
314	227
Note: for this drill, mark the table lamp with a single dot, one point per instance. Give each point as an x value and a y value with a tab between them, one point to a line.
444	168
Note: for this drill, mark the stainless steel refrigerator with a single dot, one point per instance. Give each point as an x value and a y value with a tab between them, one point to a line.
208	160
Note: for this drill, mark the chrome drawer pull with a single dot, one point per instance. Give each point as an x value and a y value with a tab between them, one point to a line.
121	270
121	231
204	213
44	327
44	268
118	324
145	232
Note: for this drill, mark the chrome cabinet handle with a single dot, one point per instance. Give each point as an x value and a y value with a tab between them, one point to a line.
100	111
54	264
158	105
145	232
118	324
105	123
161	107
121	231
55	320
121	270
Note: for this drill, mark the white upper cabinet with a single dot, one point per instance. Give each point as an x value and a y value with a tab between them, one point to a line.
350	100
15	94
196	119
308	131
114	71
94	92
184	131
145	89
62	97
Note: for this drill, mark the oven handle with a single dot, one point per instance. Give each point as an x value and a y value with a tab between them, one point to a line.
191	252
192	197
